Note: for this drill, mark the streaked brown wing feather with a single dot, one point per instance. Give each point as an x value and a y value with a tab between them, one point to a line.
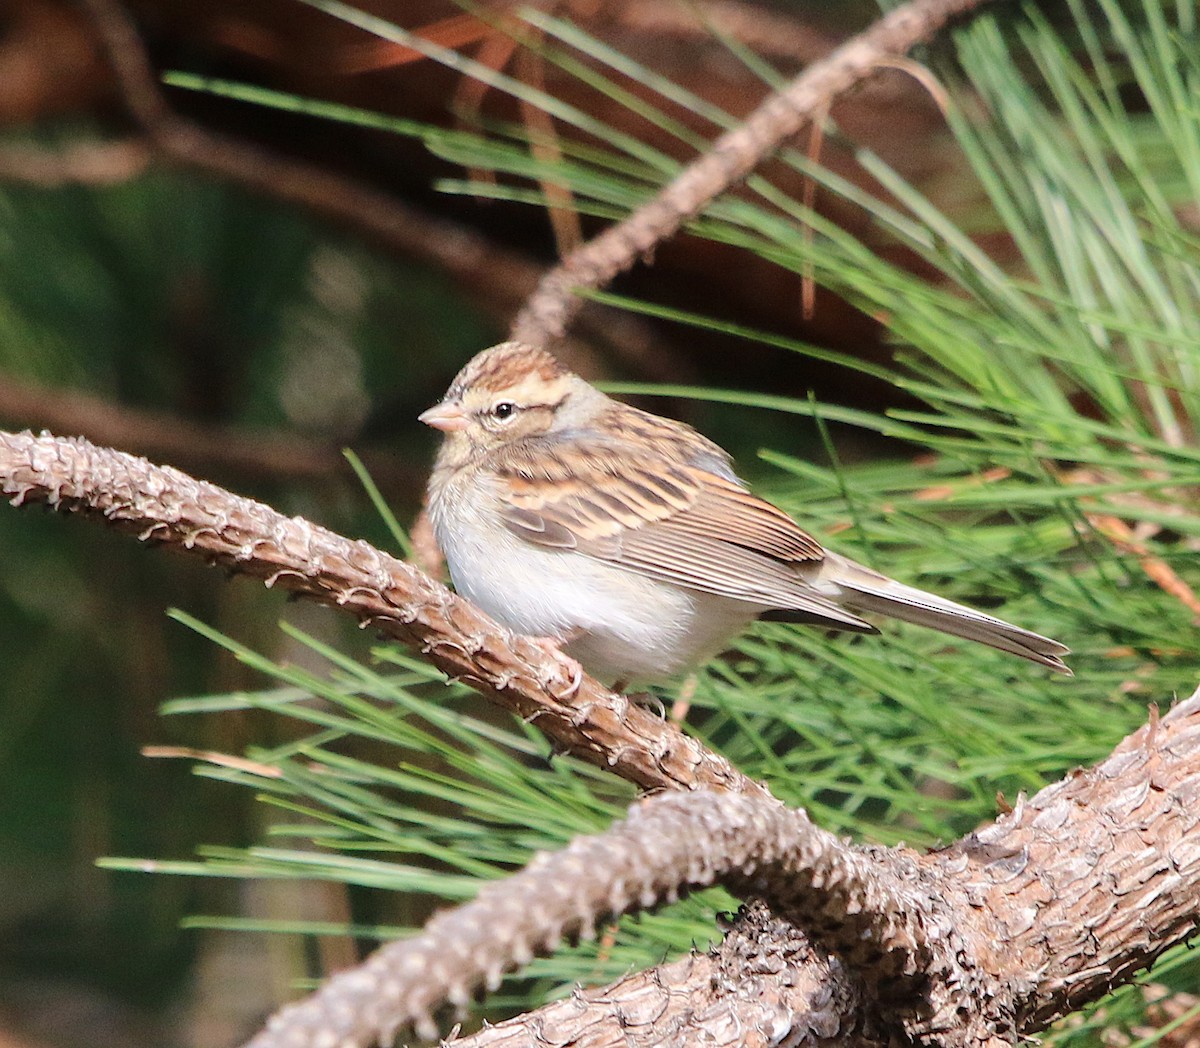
599	493
675	553
729	512
677	522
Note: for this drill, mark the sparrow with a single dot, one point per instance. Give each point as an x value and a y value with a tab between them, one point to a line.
627	539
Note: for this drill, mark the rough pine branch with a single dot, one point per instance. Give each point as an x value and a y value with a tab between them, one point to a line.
168	507
667	845
1047	909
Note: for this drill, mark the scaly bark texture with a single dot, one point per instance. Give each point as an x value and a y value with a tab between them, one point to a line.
900	932
1088	882
667	845
1055	903
766	985
165	506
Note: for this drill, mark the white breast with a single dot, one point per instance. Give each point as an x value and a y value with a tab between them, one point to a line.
622	626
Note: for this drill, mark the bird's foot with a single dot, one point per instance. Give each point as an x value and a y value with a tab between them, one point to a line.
572	670
649	701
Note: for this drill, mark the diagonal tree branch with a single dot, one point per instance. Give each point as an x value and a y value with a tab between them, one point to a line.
731	158
167	506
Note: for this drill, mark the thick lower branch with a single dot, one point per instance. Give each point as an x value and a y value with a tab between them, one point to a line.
667	845
1062	899
765	985
1094	877
896	930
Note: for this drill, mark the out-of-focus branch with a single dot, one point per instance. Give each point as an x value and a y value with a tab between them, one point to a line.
499	279
89	163
256	453
458	251
765	30
167	506
734	155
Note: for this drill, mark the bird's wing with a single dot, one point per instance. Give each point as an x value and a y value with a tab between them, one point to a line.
675	521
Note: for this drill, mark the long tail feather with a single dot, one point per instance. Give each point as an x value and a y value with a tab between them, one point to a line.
864	590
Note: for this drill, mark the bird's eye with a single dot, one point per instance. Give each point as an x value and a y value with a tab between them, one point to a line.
504	410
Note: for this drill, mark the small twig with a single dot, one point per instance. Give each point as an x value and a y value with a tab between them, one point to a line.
682	705
90	164
543	146
426	554
808	197
733	156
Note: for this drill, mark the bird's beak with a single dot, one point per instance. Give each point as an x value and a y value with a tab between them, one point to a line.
449	418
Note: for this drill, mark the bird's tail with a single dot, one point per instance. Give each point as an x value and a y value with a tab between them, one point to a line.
867	591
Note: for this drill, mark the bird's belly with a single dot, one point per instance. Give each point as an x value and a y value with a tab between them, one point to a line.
619	625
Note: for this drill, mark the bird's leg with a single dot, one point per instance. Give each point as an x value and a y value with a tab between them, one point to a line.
683	701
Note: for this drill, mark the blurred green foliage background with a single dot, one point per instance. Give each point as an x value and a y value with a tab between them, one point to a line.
196	301
1032	262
